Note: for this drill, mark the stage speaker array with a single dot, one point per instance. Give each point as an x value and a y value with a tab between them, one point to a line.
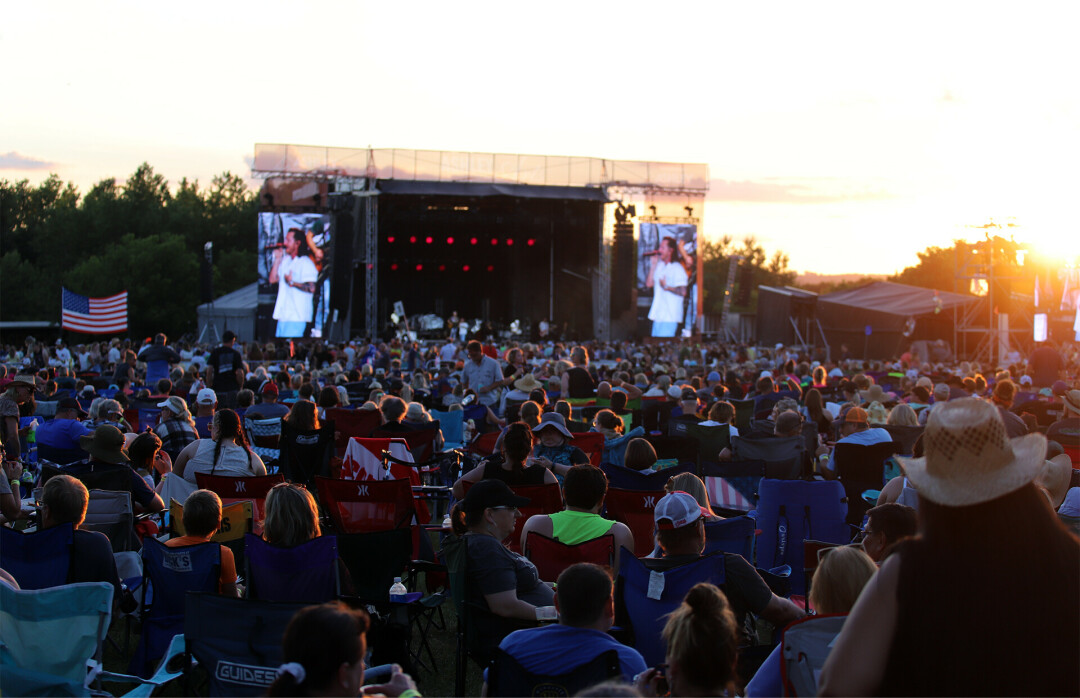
623	265
346	211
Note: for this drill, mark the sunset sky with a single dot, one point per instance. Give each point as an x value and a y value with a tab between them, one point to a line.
848	135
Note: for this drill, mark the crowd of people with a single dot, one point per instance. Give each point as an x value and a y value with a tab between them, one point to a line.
987	476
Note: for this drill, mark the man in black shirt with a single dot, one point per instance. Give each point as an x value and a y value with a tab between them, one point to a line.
225	370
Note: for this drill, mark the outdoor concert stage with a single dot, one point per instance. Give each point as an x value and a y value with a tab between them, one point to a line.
495	238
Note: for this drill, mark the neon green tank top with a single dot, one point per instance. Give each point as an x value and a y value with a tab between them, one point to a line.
573	527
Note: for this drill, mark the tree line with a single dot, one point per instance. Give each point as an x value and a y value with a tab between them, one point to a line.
140	236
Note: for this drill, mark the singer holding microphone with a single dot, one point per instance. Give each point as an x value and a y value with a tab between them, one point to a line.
295	274
667	277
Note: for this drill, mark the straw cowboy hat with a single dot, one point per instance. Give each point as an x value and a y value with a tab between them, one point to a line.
527	383
969	459
22	379
106	444
1055	476
1071	400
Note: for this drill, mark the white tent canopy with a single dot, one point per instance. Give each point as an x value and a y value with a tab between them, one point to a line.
234	311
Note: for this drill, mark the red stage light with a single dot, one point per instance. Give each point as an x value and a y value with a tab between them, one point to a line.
393	267
390	239
449	241
530	242
412	238
465	268
494	241
472	241
429	240
442	267
419	267
491	267
509	241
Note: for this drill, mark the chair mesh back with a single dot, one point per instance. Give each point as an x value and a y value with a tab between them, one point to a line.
308	572
37	560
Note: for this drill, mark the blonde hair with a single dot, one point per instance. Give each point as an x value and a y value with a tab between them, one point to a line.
840	578
903	415
704	619
693	486
292	517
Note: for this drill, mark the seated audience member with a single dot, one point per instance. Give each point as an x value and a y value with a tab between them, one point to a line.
704	619
687	408
640	456
268	407
1004	392
512	466
393	413
64	499
147	458
814	411
11	490
585	488
323	649
202	519
176	426
303	416
855	430
107	452
565	410
503	581
838	581
205	404
887	525
107	412
692	485
908	635
903	416
615	440
226	452
787	424
942	394
245	399
328	399
680	523
58	438
554	450
1066	430
586	609
419	419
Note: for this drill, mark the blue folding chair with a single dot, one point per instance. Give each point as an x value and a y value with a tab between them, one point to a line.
624	478
733	486
453	428
735	535
791	511
37	560
645	613
308	572
169	574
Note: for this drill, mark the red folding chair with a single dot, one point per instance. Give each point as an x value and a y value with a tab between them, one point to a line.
351	423
552	557
635	509
238	489
484	445
364	506
131	416
592	442
421	441
543	499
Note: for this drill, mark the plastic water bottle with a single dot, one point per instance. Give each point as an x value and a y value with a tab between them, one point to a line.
398	591
31	442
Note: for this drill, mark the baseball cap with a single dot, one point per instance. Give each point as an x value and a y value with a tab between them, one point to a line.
206	397
1059	388
689	394
487	494
268	386
174	404
675	392
1025	379
713	376
857	415
676	510
70	403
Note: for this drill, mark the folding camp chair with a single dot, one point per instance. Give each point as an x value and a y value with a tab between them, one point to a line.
711	440
615	449
238	489
111	513
785	457
507	676
655	413
37	560
905	437
359	506
644	605
635	509
421	441
735	535
626	479
453	428
350	423
551	557
592	443
169	573
237	641
791	511
308	572
860	468
264	435
60	456
50	636
681	449
484	444
811	550
237	519
305	454
744	414
733	486
804	647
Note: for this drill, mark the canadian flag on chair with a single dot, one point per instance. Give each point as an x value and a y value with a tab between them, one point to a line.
723	494
363	461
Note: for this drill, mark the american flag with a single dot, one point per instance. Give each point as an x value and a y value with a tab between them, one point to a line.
94	315
723	494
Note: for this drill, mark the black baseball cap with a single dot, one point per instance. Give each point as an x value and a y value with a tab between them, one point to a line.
487	494
70	403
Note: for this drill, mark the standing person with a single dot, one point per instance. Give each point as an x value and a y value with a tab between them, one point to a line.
576	381
482	374
921	625
159	358
1046	365
296	274
225	370
205	405
19	390
667	277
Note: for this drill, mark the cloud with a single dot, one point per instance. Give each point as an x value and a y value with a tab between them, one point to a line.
15	161
790	191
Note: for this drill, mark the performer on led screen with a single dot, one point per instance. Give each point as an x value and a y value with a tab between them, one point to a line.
297	275
669	277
